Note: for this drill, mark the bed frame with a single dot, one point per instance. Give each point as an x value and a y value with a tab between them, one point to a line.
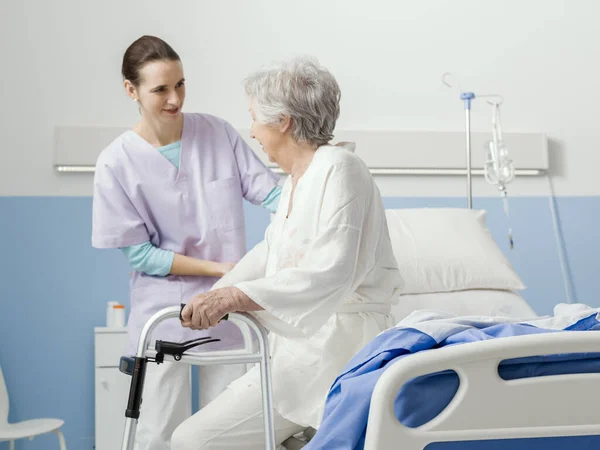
486	407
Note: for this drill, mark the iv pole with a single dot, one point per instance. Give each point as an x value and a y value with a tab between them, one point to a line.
466	97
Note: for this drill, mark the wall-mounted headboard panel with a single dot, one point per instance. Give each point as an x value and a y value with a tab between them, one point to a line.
383	151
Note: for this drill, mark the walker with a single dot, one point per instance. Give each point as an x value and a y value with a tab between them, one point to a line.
136	366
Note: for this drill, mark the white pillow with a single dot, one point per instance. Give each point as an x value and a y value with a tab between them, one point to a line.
447	249
466	303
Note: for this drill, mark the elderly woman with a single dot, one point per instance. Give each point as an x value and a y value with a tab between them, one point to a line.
321	282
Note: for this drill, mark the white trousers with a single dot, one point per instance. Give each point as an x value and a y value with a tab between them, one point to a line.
233	421
167	399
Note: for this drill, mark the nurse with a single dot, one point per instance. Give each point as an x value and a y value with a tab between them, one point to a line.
169	193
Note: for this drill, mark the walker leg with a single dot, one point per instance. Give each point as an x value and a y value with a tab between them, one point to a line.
132	413
265	378
129	434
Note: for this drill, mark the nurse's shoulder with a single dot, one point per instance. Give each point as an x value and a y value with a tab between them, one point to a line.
114	154
210	125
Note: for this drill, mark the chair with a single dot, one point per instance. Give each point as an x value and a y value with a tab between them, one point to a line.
27	429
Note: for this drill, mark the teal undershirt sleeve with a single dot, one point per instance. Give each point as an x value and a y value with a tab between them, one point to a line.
272	200
149	259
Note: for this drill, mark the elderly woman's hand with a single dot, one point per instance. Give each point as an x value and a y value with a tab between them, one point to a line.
206	310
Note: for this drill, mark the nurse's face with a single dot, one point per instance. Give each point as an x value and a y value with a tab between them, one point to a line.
272	138
161	91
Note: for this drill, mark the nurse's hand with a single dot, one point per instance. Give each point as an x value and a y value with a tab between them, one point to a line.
206	310
223	268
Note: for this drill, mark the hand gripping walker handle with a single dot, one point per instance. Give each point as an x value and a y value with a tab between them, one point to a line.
183	306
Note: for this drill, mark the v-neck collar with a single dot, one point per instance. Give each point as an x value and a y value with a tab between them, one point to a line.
180	172
293	190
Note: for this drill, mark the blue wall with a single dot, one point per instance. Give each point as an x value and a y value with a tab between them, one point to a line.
54	287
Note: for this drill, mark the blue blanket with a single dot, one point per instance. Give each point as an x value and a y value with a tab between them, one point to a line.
423	398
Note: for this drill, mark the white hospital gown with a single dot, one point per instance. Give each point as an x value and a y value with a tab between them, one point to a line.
333	250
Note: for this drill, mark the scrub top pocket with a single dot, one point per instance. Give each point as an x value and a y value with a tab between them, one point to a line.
224	198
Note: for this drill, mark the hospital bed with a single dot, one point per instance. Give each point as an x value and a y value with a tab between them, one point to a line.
488	410
550	404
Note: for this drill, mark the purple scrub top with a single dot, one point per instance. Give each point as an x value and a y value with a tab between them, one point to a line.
196	211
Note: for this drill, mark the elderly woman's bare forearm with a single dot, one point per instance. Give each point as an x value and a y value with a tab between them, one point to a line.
241	302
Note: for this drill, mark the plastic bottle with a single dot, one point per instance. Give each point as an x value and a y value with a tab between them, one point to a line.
119	316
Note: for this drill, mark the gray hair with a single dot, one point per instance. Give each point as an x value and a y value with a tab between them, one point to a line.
301	89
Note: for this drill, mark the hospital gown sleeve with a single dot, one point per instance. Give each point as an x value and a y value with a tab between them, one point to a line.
299	300
256	178
115	221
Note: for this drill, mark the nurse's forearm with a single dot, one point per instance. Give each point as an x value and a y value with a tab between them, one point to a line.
186	265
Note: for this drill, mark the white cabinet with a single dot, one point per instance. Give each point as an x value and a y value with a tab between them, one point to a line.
112	387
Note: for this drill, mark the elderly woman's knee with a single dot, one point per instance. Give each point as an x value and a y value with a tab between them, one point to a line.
187	437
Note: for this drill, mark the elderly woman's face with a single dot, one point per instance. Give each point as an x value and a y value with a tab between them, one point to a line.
271	138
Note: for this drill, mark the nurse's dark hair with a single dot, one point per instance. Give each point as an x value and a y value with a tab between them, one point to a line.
144	50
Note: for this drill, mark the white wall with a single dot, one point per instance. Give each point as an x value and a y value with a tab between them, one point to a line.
61	66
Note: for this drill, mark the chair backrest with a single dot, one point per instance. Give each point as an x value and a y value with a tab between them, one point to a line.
3	400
